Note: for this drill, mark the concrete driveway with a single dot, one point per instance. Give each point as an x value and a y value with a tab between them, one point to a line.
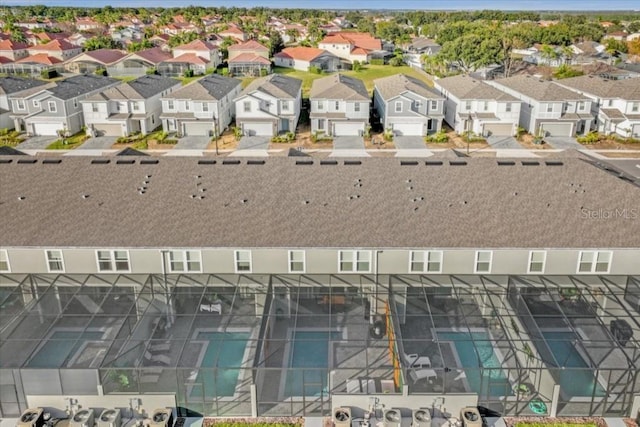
563	142
98	143
348	146
254	143
411	146
508	142
192	142
36	142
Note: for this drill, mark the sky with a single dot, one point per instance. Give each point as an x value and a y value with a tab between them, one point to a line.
574	5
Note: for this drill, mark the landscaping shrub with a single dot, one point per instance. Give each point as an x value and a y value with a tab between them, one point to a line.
151	71
187	73
590	138
225	71
101	72
357	66
440	137
263	72
237	132
286	138
377	62
387	135
396	61
319	136
48	74
315	70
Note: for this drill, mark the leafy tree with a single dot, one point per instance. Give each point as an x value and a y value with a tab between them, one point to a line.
138	46
101	42
471	52
396	61
182	38
634	27
293	34
17	36
634	47
275	43
564	71
549	53
614	46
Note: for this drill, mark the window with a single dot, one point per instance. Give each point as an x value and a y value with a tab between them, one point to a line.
36	103
170	105
320	105
549	108
243	261
285	106
467	105
356	107
537	260
434	105
55	263
354	261
52	106
113	261
398	106
635	106
425	262
580	105
320	124
337	105
609	102
75	103
483	261
186	105
205	106
507	107
94	108
485	105
136	106
185	261
417	105
296	261
20	104
4	261
247	107
594	262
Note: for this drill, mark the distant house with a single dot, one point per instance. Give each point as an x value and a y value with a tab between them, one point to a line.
615	103
339	106
13	86
56	107
547	108
178	28
88	24
201	106
92	60
248	59
417	48
618	35
474	105
138	63
197	56
160	40
301	58
407	106
60	49
351	46
35	64
13	50
128	108
269	105
234	32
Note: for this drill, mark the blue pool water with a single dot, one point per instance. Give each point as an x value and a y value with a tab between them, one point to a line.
60	348
225	351
490	381
577	382
309	350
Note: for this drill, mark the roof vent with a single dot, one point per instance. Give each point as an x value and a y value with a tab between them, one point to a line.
506	163
304	162
206	162
352	162
149	161
85	196
553	163
27	161
328	162
100	161
408	163
530	163
51	161
231	162
256	162
21	197
457	163
6	160
433	163
125	162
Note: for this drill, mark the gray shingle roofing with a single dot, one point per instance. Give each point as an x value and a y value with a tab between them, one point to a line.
628	89
540	90
211	87
79	85
466	87
392	86
9	85
276	85
477	205
141	88
339	86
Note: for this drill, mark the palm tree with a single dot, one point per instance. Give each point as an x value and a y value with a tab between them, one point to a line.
549	53
567	53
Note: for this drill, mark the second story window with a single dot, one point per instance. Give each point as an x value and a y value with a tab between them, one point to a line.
417	105
537	260
55	262
635	107
581	105
296	262
52	106
320	105
485	105
136	106
171	105
433	107
36	103
247	107
549	108
609	102
243	261
356	107
354	261
425	262
205	106
185	261
94	108
109	261
483	261
20	104
594	262
285	105
467	105
337	107
507	107
4	261
398	107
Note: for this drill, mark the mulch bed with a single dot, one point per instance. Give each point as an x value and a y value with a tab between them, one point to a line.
298	421
600	422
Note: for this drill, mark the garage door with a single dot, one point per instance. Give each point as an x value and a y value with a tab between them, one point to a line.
197	128
252	129
557	129
108	130
46	128
636	130
403	129
498	129
347	129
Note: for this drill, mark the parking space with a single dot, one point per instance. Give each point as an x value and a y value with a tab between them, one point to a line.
508	142
98	143
563	142
254	143
409	143
36	142
348	146
192	142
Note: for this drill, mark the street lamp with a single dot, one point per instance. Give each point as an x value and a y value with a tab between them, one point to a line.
469	125
215	132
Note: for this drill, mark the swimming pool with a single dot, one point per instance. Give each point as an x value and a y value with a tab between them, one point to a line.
573	382
61	347
225	351
490	381
309	351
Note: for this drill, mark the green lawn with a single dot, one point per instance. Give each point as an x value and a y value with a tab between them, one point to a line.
68	143
368	74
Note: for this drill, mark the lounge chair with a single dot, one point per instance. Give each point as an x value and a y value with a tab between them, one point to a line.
418	374
212	308
414	360
157	358
159	347
353	386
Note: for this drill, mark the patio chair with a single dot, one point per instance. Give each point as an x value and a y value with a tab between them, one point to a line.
353	386
418	374
157	358
414	360
159	347
212	308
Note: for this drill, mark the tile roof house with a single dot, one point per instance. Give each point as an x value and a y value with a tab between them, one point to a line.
128	108
339	106
197	55
301	58
9	86
548	109
202	107
473	105
615	103
234	32
138	63
407	106
248	59
90	61
60	49
86	23
13	50
351	46
269	105
56	107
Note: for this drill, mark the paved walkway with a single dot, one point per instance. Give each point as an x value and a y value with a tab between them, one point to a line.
194	142
563	142
507	142
515	152
98	143
36	143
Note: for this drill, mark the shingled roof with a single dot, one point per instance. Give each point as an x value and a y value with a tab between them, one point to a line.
457	203
276	85
11	84
211	87
538	89
339	86
467	87
397	84
141	88
78	85
628	89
